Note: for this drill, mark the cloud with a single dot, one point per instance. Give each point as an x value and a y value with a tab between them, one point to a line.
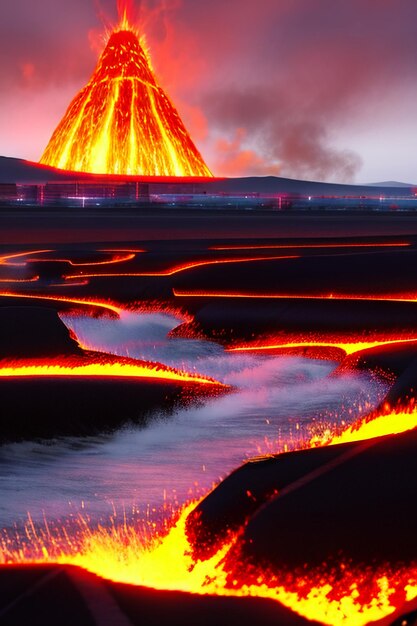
233	159
271	137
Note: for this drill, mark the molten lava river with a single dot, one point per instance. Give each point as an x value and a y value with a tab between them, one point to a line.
118	503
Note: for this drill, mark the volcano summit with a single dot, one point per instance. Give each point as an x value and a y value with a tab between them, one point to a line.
122	122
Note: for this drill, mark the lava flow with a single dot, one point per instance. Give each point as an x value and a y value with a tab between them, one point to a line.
386	423
110	309
130	554
135	553
177	269
122	122
313	246
240	295
111	368
348	347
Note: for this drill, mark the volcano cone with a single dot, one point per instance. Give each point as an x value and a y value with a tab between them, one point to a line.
122	122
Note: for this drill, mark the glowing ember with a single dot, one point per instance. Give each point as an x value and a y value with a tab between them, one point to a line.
122	122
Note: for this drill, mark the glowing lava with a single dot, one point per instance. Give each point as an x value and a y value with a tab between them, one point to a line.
130	554
137	554
312	246
370	427
112	368
122	122
184	267
349	347
179	293
106	306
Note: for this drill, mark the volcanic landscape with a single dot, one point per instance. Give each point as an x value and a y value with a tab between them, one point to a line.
211	416
207	385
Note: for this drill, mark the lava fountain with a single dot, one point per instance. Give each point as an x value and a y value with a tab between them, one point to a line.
122	122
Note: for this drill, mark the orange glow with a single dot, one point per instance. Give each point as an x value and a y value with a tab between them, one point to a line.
110	308
137	555
34	279
184	267
389	423
122	122
79	283
128	554
5	258
280	296
313	246
114	368
349	347
116	259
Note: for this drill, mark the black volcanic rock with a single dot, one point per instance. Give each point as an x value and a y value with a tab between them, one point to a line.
46	406
244	491
233	320
48	595
403	392
34	332
360	507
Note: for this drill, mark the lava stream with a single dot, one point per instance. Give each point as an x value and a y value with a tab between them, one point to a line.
349	347
184	267
313	246
163	560
111	368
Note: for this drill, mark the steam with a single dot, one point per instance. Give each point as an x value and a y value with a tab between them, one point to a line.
271	139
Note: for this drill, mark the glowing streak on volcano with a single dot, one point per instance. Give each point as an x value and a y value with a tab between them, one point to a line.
122	122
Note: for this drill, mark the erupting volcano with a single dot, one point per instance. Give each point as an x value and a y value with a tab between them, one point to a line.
122	122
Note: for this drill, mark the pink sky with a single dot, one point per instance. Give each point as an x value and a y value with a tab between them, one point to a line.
314	89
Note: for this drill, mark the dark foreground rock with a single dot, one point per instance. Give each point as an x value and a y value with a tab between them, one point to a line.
355	501
51	595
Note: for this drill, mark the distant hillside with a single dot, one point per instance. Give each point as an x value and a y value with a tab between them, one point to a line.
273	185
26	173
392	183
